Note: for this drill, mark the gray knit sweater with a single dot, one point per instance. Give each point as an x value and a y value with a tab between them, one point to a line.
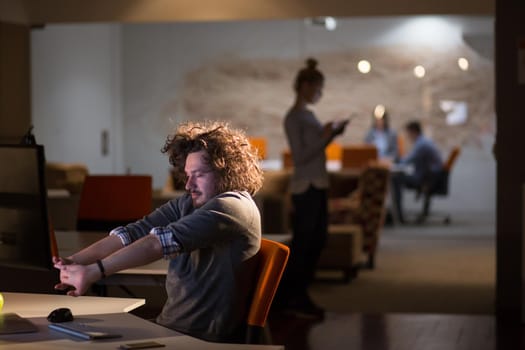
206	283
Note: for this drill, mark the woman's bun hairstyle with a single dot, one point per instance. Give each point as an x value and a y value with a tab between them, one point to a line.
311	63
309	74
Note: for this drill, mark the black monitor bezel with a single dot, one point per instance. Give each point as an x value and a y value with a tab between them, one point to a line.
45	239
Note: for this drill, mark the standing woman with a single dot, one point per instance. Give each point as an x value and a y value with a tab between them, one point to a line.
307	139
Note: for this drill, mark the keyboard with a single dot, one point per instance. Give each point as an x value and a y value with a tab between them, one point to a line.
82	330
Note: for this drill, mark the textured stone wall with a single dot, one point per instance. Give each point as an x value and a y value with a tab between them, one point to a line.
256	93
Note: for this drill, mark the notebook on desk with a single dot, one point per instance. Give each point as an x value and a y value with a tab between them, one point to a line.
11	323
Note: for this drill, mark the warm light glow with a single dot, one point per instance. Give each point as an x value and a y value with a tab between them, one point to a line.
330	23
419	71
463	63
364	66
416	30
379	111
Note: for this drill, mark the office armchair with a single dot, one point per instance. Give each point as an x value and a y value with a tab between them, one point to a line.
438	186
364	208
109	201
272	259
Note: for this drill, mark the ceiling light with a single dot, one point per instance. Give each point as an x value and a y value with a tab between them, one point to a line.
379	111
463	63
329	23
419	71
364	66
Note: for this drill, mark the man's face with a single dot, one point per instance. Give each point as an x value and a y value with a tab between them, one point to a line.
411	135
202	180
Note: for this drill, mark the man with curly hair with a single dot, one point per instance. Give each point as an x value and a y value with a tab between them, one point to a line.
209	235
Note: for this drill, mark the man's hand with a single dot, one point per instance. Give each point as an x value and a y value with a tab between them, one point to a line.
74	278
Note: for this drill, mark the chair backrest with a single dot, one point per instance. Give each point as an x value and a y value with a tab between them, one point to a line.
108	201
334	151
453	155
358	156
401	149
260	143
439	185
272	259
286	157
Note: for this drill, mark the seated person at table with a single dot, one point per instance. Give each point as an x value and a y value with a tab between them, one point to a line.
382	135
209	236
427	166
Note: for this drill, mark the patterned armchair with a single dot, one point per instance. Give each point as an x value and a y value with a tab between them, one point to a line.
365	207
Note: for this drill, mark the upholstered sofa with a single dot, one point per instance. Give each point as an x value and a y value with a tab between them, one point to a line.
68	176
273	201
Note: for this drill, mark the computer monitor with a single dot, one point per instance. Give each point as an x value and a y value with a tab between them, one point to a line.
24	224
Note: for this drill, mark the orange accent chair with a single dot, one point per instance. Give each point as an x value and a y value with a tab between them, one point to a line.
334	151
286	157
272	259
260	143
358	156
401	145
109	201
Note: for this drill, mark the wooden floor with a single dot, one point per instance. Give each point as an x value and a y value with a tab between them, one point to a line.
395	332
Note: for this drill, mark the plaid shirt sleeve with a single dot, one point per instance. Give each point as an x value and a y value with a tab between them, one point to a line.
123	234
170	247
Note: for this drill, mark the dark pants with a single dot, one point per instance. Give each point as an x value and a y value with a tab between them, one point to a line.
310	226
401	181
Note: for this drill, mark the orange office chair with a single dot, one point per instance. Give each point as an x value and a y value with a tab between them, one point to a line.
286	157
440	187
358	156
334	151
109	201
272	260
260	143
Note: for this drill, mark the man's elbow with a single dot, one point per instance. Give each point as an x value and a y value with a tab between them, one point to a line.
152	244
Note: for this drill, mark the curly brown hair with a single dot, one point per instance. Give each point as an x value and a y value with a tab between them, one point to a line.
229	154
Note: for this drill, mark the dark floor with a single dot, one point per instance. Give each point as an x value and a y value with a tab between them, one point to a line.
395	332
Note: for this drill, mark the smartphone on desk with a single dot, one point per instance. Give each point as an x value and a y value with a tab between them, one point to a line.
141	345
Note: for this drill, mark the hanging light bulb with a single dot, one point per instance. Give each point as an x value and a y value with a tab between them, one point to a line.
364	66
330	23
379	111
419	71
463	63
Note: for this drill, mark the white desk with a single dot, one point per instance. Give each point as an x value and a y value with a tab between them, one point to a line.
40	305
132	328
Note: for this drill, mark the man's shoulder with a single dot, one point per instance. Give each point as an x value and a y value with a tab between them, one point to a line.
233	197
231	201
